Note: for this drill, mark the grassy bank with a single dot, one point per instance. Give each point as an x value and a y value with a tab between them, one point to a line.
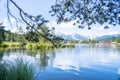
19	70
32	45
38	46
10	45
26	46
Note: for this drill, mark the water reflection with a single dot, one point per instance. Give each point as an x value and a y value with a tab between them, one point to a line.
85	61
1	55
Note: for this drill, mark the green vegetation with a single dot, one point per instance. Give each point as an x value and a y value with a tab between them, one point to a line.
2	36
10	45
85	42
30	39
102	11
68	46
117	40
39	46
26	46
74	41
20	70
92	41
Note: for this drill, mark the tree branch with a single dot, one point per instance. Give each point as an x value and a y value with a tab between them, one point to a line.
33	22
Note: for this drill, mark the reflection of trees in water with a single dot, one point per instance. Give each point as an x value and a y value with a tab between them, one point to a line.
43	60
1	55
34	52
52	57
46	59
118	47
3	52
45	56
8	52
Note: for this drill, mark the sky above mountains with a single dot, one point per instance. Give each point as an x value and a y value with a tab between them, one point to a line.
36	7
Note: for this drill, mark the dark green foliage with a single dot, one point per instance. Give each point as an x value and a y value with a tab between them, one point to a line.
32	36
2	35
117	40
85	41
92	41
11	37
87	11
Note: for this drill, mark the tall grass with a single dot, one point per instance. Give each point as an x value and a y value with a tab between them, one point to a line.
10	45
3	71
34	46
18	70
39	46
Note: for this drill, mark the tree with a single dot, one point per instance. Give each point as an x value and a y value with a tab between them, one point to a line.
117	40
2	36
9	36
49	33
32	36
20	36
32	22
87	12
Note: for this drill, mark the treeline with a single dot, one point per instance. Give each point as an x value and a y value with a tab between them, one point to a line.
29	36
9	36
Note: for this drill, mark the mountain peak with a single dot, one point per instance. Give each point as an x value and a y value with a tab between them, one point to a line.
74	36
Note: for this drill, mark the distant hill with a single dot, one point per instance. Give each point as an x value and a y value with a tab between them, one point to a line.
107	37
74	36
77	36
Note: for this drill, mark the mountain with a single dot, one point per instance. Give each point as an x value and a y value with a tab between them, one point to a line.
74	36
107	37
77	36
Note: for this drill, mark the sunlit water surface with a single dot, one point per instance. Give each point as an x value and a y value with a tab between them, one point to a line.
84	62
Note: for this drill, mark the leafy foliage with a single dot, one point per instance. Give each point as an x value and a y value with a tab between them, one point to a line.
32	22
87	11
32	36
2	36
117	40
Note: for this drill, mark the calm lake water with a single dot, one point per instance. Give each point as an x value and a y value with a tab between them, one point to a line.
84	62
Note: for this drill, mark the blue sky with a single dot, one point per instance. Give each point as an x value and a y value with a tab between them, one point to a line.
36	7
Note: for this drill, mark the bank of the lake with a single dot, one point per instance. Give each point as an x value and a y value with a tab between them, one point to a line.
31	45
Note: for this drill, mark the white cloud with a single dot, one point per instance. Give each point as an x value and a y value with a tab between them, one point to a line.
12	20
62	25
96	30
6	22
14	30
113	32
98	27
66	28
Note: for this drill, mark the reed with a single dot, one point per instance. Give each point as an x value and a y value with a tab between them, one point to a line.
19	70
10	45
39	46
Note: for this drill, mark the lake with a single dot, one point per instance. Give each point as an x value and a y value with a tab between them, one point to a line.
84	62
